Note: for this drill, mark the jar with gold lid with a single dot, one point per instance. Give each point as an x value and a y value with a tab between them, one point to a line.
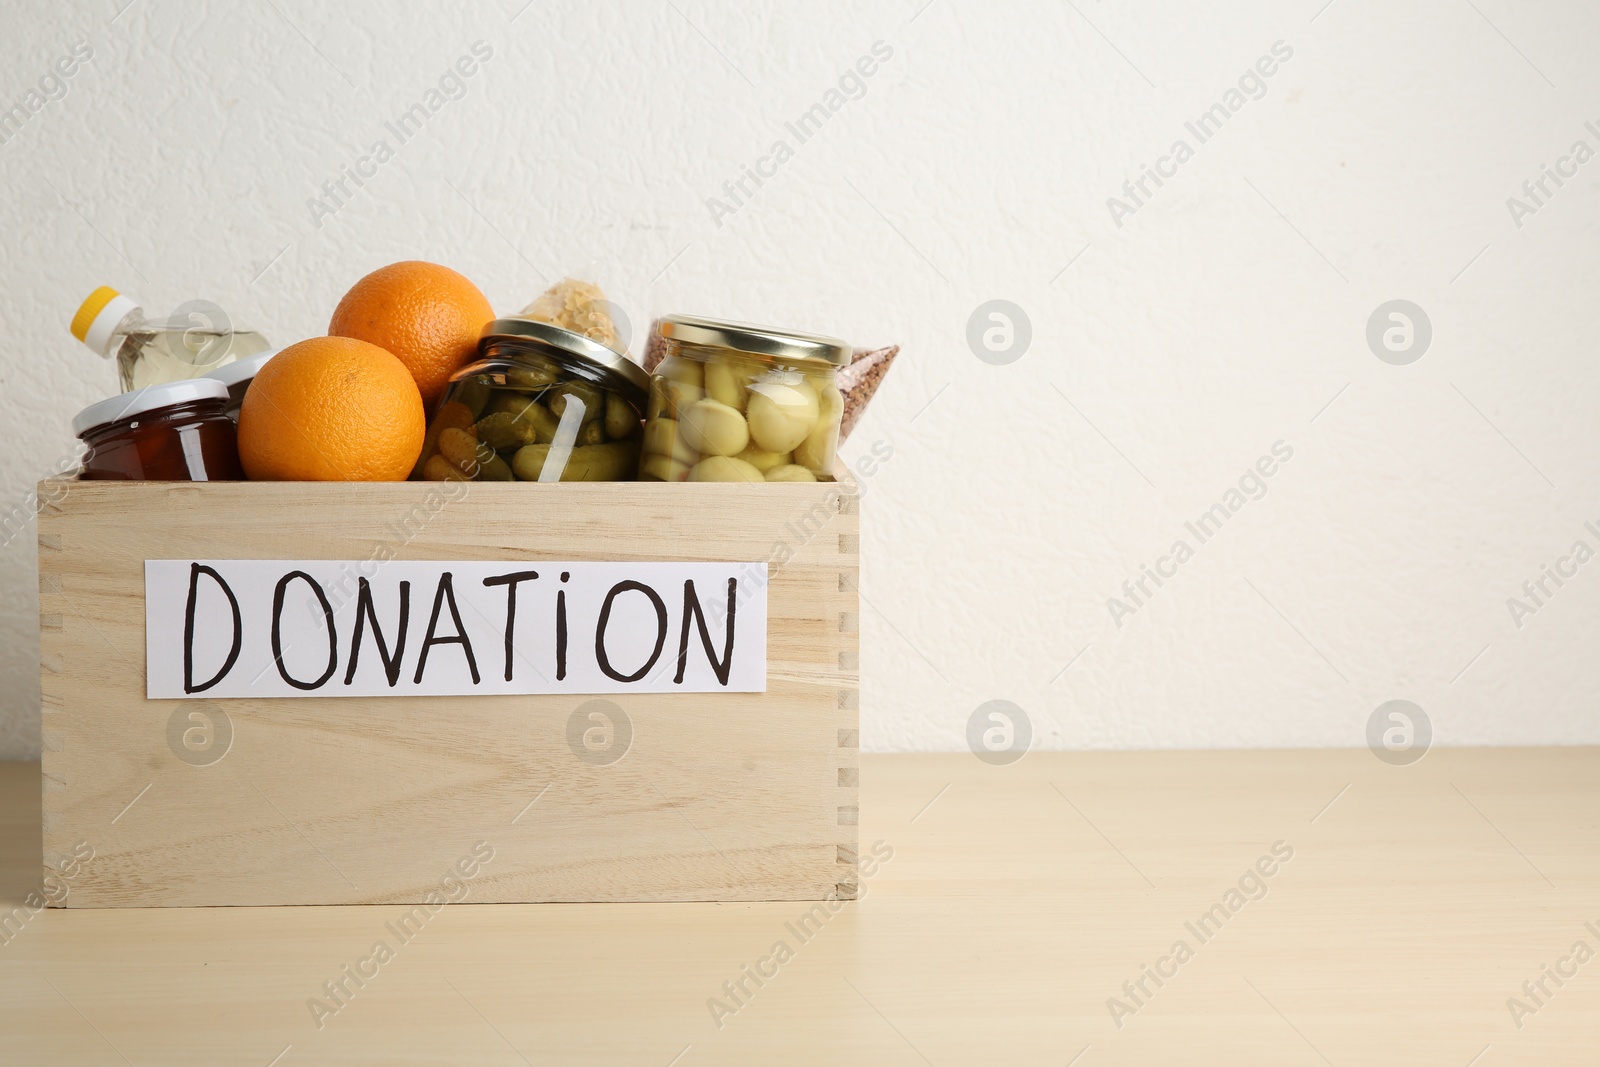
734	402
540	404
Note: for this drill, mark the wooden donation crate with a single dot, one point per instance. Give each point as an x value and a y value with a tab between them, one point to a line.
275	786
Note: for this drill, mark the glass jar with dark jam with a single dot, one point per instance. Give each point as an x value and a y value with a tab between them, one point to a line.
175	432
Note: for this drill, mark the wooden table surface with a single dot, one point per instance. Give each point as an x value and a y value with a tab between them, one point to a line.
1018	901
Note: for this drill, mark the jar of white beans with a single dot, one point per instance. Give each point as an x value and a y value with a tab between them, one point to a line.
731	402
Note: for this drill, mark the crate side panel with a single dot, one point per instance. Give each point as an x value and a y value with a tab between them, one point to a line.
351	800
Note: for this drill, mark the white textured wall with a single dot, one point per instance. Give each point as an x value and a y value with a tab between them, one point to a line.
1219	318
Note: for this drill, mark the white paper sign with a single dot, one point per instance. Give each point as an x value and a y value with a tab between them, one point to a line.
296	628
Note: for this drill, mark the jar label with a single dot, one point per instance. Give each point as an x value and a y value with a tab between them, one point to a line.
295	628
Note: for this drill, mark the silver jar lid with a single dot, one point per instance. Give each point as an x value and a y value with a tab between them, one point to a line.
755	340
242	370
566	343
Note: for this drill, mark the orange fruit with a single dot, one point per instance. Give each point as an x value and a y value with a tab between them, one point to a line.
331	409
427	315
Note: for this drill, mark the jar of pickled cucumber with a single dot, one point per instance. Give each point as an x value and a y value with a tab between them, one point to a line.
541	404
731	402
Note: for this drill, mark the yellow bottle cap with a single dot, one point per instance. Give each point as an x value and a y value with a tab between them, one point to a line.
90	308
97	319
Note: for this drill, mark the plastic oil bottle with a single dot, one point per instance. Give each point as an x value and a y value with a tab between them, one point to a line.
196	339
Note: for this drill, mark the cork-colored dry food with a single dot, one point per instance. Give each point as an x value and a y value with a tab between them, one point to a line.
655	349
860	380
577	306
